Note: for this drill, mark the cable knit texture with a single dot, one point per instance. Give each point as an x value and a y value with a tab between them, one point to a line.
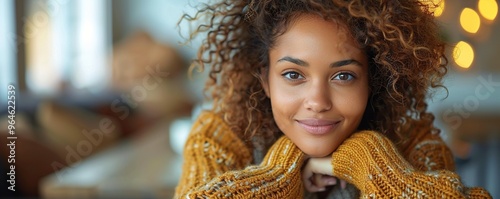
217	164
371	162
427	152
214	159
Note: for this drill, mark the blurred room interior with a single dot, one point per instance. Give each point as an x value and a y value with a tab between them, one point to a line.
104	101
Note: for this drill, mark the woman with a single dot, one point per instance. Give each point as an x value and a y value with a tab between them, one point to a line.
309	92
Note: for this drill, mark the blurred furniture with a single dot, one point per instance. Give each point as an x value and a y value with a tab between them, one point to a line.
32	162
140	167
477	128
67	130
482	167
476	146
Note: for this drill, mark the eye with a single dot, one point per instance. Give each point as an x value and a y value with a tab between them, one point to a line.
291	75
344	77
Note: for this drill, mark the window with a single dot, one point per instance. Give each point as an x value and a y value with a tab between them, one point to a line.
7	48
67	44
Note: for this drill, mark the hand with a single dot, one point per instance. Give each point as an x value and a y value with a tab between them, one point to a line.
317	175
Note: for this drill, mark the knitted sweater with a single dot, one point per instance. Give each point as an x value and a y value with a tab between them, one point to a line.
217	164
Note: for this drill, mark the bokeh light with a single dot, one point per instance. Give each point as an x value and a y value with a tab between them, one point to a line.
463	54
438	11
469	20
488	9
435	6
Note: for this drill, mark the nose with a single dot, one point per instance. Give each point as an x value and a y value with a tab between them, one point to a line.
318	98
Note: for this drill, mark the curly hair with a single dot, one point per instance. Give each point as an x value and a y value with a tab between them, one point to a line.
400	37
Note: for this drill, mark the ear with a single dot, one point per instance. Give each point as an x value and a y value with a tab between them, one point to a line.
264	80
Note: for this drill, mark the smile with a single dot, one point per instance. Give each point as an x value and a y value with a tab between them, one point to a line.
318	127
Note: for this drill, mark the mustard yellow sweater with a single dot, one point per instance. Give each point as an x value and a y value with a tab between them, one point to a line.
217	164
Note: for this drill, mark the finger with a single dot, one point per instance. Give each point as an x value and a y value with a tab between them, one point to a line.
324	180
343	184
311	185
329	180
317	180
308	178
321	181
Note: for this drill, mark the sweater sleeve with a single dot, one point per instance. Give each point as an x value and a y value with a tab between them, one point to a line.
428	152
215	166
373	164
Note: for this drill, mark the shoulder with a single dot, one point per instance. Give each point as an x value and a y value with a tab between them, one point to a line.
427	151
209	124
212	130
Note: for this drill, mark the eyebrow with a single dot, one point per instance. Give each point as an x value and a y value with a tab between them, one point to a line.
332	65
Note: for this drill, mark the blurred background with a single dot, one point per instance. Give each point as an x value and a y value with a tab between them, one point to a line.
103	101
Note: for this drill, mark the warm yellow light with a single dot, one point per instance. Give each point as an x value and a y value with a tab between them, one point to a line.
463	54
488	9
440	7
435	6
469	19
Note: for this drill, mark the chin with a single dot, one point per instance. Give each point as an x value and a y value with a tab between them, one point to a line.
315	153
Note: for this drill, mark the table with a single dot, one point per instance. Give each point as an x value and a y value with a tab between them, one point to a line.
139	167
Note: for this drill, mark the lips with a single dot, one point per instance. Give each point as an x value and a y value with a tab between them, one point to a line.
317	126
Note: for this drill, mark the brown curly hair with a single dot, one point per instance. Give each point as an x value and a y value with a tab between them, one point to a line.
400	38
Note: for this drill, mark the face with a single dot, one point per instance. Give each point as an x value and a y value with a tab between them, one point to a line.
317	83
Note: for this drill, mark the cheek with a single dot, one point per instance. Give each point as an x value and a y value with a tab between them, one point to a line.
284	100
285	103
351	103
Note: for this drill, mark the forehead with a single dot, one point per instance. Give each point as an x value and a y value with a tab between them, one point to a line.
313	33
